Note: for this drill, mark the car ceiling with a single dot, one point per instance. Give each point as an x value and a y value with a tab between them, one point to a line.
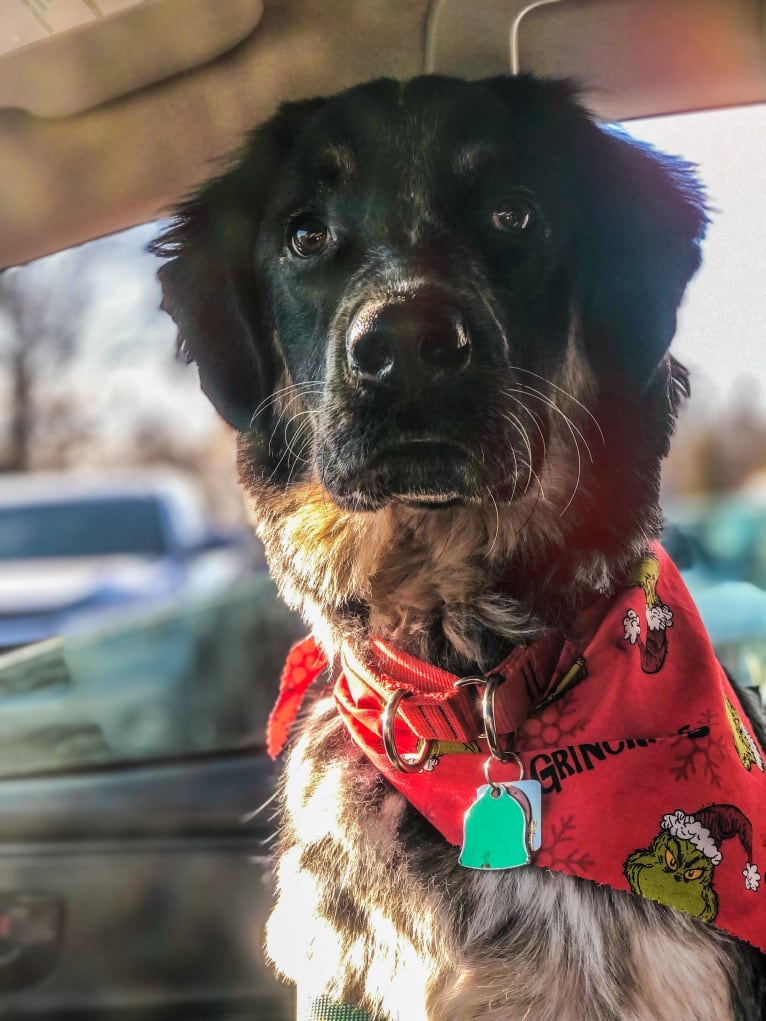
106	124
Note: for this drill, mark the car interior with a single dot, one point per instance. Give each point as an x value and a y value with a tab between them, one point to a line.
134	875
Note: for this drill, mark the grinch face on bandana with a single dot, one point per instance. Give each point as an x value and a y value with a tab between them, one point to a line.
677	868
673	872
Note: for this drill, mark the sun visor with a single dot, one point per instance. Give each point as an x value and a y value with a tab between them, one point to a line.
634	58
60	57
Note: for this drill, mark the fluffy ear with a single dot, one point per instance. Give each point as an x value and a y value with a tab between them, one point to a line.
209	286
643	222
640	221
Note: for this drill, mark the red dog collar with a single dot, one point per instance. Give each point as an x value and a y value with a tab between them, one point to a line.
651	778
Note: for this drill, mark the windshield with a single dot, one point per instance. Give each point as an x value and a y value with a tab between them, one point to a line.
82	528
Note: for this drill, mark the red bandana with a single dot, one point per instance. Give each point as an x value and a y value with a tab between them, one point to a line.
652	780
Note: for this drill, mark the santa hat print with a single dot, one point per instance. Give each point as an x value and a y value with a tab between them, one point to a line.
708	827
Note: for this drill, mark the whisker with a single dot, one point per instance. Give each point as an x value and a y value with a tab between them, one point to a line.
298	455
298	458
539	482
574	431
277	466
532	392
533	508
288	451
298	388
537	421
497	518
516	422
306	423
566	393
518	368
302	435
283	412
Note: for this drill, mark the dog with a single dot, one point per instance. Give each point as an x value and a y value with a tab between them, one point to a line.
437	314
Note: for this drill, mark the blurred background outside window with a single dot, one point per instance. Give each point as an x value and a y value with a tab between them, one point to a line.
137	618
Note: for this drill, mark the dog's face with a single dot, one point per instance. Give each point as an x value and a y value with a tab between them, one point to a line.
440	294
416	252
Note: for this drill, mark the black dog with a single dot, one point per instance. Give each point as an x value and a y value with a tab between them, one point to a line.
438	314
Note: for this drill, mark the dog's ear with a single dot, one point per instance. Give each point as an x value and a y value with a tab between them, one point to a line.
210	286
640	221
644	220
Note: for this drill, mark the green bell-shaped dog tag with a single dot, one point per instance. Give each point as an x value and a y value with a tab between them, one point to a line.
496	830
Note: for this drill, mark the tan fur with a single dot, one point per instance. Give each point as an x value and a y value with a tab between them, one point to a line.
409	564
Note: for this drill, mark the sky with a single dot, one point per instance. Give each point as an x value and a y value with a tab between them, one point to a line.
722	325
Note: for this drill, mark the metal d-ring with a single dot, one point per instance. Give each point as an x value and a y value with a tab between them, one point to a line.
488	716
389	741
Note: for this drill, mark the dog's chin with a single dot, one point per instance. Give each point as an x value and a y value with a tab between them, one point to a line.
425	474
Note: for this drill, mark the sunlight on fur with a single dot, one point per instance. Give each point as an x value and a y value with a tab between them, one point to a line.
395	954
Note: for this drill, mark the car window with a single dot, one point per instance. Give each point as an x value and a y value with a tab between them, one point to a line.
178	649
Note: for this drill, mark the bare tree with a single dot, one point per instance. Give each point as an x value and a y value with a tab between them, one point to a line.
89	375
41	309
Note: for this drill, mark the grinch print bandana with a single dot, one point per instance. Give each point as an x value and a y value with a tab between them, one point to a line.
632	763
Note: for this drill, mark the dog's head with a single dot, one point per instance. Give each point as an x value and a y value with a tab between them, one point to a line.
436	293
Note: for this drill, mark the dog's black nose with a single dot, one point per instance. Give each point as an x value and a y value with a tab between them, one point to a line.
406	342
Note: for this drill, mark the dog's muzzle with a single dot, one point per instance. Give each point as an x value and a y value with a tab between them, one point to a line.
406	343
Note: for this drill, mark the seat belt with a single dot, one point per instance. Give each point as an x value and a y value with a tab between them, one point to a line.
312	1008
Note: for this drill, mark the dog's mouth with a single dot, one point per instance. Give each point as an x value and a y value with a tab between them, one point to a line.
426	472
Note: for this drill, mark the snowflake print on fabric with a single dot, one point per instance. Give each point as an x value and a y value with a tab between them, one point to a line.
556	720
697	751
654	785
556	725
561	857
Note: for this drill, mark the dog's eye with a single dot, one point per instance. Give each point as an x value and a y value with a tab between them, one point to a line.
513	215
308	238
